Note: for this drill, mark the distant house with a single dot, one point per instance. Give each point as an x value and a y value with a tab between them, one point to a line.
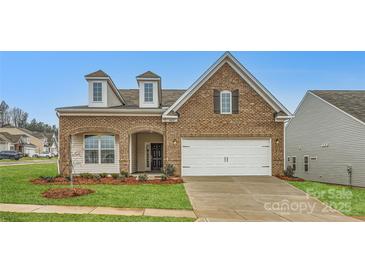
326	140
18	142
42	142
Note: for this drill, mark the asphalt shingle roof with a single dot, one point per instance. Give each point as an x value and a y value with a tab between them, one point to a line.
169	96
148	74
14	138
98	73
350	101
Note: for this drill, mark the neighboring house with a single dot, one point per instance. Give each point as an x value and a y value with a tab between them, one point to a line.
51	143
5	143
18	142
226	123
327	136
38	139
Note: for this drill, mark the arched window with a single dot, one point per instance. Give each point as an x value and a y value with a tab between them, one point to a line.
226	102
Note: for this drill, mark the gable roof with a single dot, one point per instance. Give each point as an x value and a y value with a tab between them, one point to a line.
149	74
98	73
168	96
14	138
228	58
350	101
101	74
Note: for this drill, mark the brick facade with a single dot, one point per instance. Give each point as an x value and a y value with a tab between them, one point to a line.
197	118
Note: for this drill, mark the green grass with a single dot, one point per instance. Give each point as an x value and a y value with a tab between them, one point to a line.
16	188
350	201
47	217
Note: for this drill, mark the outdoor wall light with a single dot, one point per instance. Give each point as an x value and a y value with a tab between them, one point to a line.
277	141
174	141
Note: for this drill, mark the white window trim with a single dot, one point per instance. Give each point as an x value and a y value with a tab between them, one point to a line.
305	163
147	145
102	97
292	162
144	93
99	149
221	101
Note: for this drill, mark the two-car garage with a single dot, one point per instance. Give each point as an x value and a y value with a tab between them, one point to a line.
225	157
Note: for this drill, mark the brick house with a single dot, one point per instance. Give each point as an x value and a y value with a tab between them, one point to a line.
226	123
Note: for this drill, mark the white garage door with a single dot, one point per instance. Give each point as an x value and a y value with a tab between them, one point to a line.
217	157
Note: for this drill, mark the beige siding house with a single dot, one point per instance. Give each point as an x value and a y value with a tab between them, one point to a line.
327	137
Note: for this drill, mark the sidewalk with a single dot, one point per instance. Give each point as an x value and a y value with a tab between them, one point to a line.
154	212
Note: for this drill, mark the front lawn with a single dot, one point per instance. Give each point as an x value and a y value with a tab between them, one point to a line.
46	217
16	188
350	201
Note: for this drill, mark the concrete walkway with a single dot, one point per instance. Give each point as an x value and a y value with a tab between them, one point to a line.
25	208
27	162
255	198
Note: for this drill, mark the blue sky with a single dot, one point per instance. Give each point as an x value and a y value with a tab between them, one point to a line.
38	82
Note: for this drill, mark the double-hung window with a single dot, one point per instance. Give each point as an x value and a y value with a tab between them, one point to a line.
97	92
226	102
306	163
294	163
148	92
99	149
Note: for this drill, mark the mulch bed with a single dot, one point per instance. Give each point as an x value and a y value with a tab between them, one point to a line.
293	179
106	181
60	193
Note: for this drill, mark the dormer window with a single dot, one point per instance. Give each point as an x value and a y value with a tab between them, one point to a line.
226	102
97	92
148	92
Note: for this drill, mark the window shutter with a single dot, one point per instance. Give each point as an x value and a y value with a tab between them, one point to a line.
235	101
217	101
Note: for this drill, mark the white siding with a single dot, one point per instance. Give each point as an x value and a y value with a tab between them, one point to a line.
317	123
77	152
4	146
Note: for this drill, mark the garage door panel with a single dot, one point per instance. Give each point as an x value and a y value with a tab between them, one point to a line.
226	157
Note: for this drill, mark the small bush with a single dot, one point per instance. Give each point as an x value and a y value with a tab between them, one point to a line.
115	175
143	177
289	172
48	179
170	170
103	175
124	173
86	175
163	177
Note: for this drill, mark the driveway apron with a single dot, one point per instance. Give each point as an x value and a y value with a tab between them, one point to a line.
255	198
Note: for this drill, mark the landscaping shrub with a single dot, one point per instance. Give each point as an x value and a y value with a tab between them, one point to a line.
170	170
289	172
86	175
143	177
124	173
115	175
103	175
163	177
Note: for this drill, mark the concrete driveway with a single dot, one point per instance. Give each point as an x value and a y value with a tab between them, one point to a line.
255	198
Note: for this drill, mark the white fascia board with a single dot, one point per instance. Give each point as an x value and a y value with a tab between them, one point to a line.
148	79
97	111
344	112
242	71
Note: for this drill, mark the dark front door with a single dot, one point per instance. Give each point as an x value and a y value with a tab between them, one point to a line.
156	151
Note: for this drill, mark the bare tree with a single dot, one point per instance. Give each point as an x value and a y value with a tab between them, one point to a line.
4	116
18	117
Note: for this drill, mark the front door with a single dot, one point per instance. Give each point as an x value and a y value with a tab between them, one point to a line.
156	152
